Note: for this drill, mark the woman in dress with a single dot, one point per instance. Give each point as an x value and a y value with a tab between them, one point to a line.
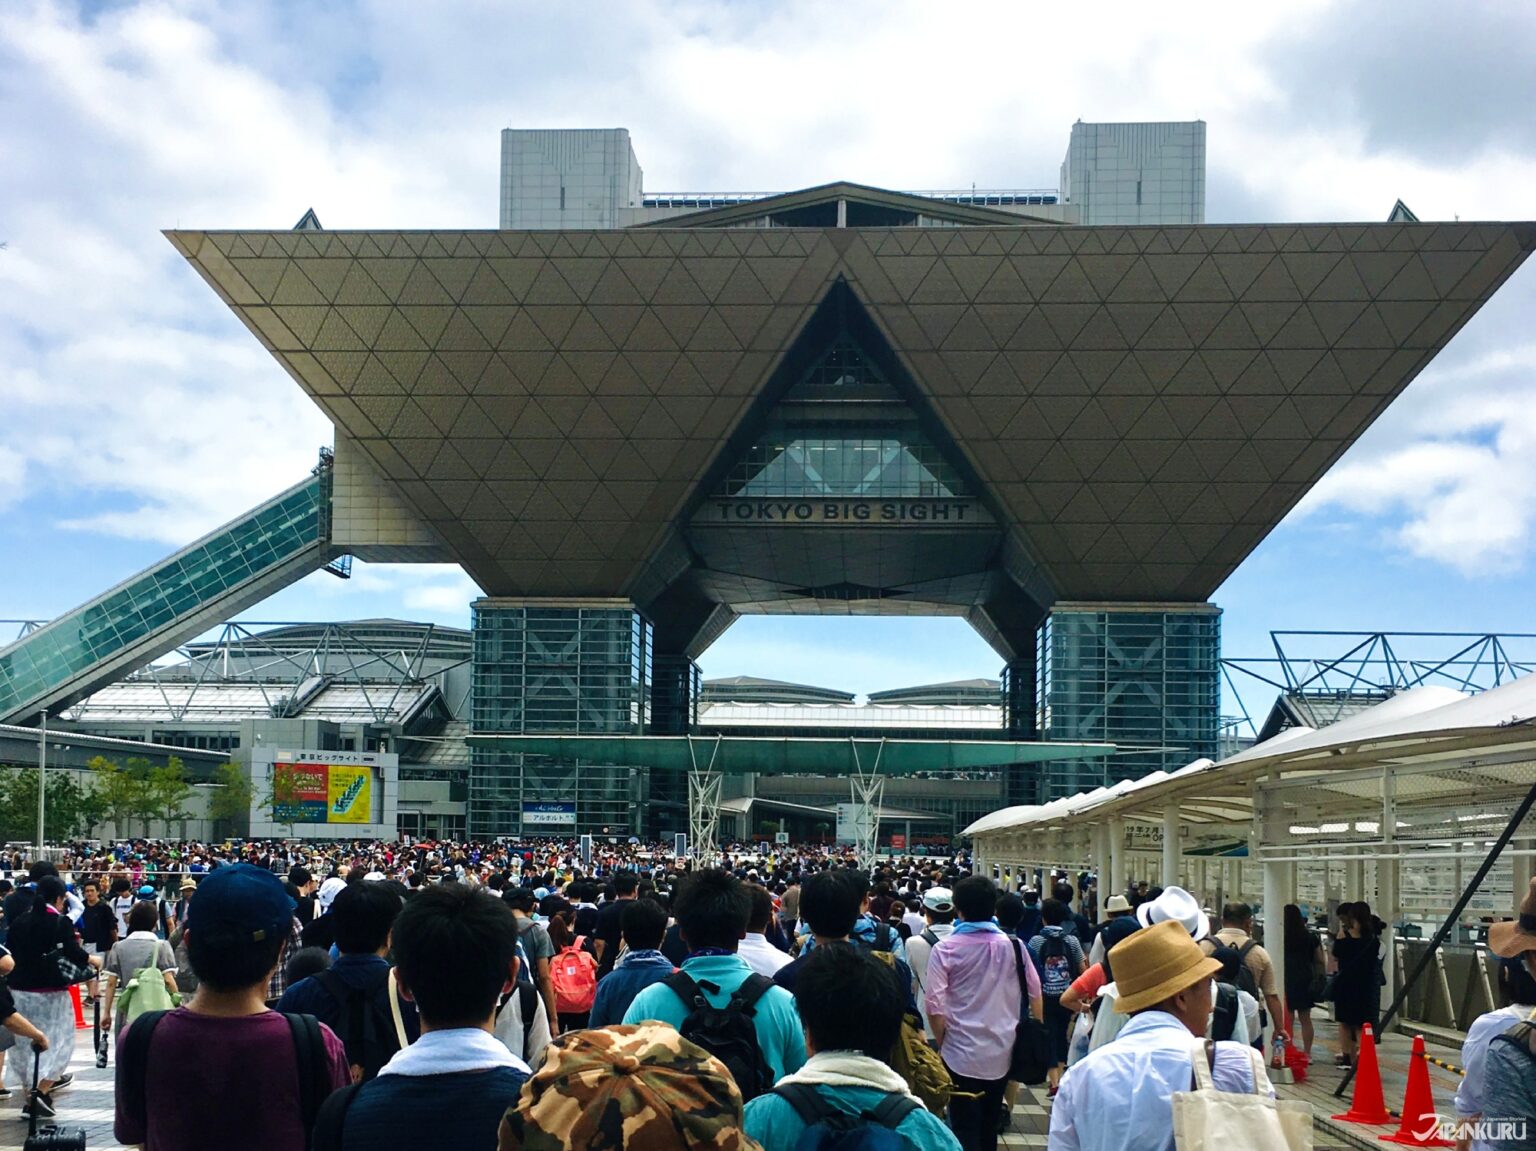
1304	963
48	959
1356	985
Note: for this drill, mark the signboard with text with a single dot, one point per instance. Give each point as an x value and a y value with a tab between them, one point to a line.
322	793
843	512
549	814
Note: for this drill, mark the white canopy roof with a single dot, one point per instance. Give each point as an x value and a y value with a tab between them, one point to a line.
1412	724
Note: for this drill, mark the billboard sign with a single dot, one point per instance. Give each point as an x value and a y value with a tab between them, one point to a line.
549	815
322	793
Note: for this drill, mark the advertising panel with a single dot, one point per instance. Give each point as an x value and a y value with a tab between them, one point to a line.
322	793
350	795
549	815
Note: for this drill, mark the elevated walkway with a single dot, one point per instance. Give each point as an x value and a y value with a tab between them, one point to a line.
166	604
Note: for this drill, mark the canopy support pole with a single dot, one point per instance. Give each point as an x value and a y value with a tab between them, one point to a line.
868	794
704	807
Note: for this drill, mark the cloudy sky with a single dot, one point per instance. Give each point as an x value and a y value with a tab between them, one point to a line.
138	413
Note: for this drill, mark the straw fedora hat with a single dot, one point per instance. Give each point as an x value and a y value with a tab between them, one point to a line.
1157	962
1508	939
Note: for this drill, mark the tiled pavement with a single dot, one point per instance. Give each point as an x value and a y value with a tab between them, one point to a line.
88	1101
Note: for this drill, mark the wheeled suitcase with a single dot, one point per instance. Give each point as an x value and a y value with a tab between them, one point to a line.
52	1137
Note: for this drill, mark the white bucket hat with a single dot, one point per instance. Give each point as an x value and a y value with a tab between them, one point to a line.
328	892
1177	904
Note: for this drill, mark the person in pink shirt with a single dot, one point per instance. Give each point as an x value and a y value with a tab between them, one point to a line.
972	990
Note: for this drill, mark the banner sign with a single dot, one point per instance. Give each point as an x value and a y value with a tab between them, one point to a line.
549	815
845	512
323	793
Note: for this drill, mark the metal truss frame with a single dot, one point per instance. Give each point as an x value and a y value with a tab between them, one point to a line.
868	787
704	786
288	675
1374	663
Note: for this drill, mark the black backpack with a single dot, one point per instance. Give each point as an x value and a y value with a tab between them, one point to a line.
728	1033
829	1128
1243	980
365	1029
1224	1018
314	1066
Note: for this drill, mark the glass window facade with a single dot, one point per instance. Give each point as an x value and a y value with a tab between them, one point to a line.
159	597
558	671
1148	681
842	430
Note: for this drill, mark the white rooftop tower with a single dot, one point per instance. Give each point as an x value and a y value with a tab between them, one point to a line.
1136	173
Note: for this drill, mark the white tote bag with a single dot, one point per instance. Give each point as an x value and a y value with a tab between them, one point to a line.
1206	1119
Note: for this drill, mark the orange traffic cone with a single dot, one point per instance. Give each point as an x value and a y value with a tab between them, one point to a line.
1421	1124
74	995
1367	1105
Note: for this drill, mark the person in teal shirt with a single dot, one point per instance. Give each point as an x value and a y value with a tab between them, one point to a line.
712	908
852	1006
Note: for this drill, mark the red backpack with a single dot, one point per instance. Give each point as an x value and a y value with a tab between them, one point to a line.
574	975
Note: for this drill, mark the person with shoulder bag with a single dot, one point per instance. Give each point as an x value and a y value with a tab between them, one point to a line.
49	960
1160	1086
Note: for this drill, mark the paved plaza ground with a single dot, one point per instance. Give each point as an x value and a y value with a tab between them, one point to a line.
88	1101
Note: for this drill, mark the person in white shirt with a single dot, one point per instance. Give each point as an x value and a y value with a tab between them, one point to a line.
938	921
522	1024
914	920
760	955
1519	987
1120	1097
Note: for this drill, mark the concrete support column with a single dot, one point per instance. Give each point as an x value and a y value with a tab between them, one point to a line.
1173	850
1387	874
1117	872
1522	867
1102	862
1274	928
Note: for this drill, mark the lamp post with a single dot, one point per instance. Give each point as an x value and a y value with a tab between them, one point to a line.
42	763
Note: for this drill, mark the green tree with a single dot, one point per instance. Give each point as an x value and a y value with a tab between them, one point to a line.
280	797
124	791
71	810
167	791
230	803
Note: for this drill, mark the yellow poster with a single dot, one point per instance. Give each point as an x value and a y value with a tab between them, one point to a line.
349	795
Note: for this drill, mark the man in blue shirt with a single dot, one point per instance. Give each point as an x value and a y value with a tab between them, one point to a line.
642	923
851	1005
712	908
456	947
352	998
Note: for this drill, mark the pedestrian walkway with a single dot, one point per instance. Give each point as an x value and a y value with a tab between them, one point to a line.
87	1102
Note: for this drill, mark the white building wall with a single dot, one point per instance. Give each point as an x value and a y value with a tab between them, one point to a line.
1136	173
567	178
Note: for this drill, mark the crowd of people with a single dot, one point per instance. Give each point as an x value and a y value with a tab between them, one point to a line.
537	995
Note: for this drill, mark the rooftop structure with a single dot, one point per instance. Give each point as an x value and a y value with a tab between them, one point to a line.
631	425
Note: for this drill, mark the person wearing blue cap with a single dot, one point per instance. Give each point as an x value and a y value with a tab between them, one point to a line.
261	1075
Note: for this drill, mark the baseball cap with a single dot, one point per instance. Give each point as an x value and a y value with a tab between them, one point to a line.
242	899
939	899
147	889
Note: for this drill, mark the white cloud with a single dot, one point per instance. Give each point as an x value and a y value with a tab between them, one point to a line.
1452	475
13	470
135	400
